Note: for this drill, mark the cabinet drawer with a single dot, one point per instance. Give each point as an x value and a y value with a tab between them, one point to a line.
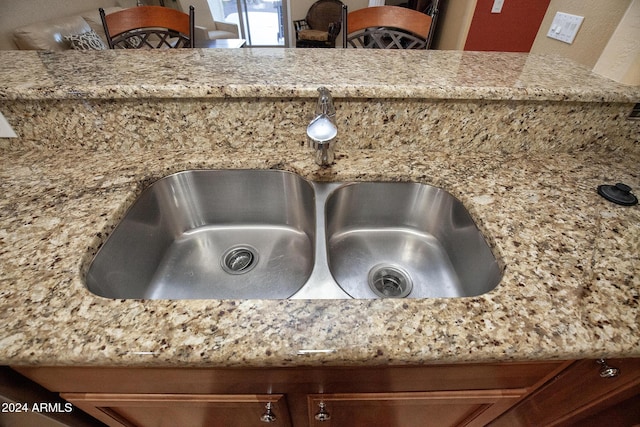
157	410
428	409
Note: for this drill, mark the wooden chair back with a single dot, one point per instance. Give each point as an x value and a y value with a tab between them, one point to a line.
149	27
368	27
324	13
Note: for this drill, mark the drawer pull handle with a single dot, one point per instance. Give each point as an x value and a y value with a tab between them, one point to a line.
268	416
322	414
607	371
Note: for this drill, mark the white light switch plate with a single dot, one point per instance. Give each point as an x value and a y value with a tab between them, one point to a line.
497	6
5	128
565	27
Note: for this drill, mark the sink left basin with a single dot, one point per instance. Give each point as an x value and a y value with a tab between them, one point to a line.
211	234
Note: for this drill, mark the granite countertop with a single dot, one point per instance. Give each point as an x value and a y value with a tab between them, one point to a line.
570	287
571	284
268	72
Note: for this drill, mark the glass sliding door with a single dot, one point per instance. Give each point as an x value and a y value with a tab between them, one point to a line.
261	22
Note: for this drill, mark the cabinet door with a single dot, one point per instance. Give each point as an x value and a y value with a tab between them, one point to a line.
576	393
193	410
416	409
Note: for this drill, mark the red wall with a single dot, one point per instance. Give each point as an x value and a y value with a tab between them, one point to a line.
513	30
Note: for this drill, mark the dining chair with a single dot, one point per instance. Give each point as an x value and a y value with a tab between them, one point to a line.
431	8
386	27
321	26
149	27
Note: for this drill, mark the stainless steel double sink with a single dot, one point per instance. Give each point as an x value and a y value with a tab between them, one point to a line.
268	234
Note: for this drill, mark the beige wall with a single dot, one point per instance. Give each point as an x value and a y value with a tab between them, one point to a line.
621	57
453	25
601	19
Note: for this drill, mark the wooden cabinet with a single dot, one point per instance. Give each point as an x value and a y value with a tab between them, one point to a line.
438	395
580	396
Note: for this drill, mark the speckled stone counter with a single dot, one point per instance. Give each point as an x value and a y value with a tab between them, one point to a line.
272	73
259	98
571	287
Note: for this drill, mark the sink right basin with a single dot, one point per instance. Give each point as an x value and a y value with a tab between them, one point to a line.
387	240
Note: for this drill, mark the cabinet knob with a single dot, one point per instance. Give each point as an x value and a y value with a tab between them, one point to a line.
607	371
268	416
322	414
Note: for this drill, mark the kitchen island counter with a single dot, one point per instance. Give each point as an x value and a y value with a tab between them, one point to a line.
523	150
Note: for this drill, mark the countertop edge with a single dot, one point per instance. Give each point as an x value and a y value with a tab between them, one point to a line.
159	92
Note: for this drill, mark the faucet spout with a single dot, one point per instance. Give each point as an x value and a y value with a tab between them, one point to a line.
325	103
322	130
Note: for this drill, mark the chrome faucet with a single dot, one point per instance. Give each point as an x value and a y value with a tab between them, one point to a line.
322	130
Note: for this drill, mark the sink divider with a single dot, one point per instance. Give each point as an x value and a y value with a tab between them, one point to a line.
321	284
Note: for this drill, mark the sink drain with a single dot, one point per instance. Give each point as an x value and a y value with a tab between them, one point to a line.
389	281
239	259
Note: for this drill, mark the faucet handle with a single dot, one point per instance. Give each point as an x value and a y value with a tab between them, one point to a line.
325	103
322	130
